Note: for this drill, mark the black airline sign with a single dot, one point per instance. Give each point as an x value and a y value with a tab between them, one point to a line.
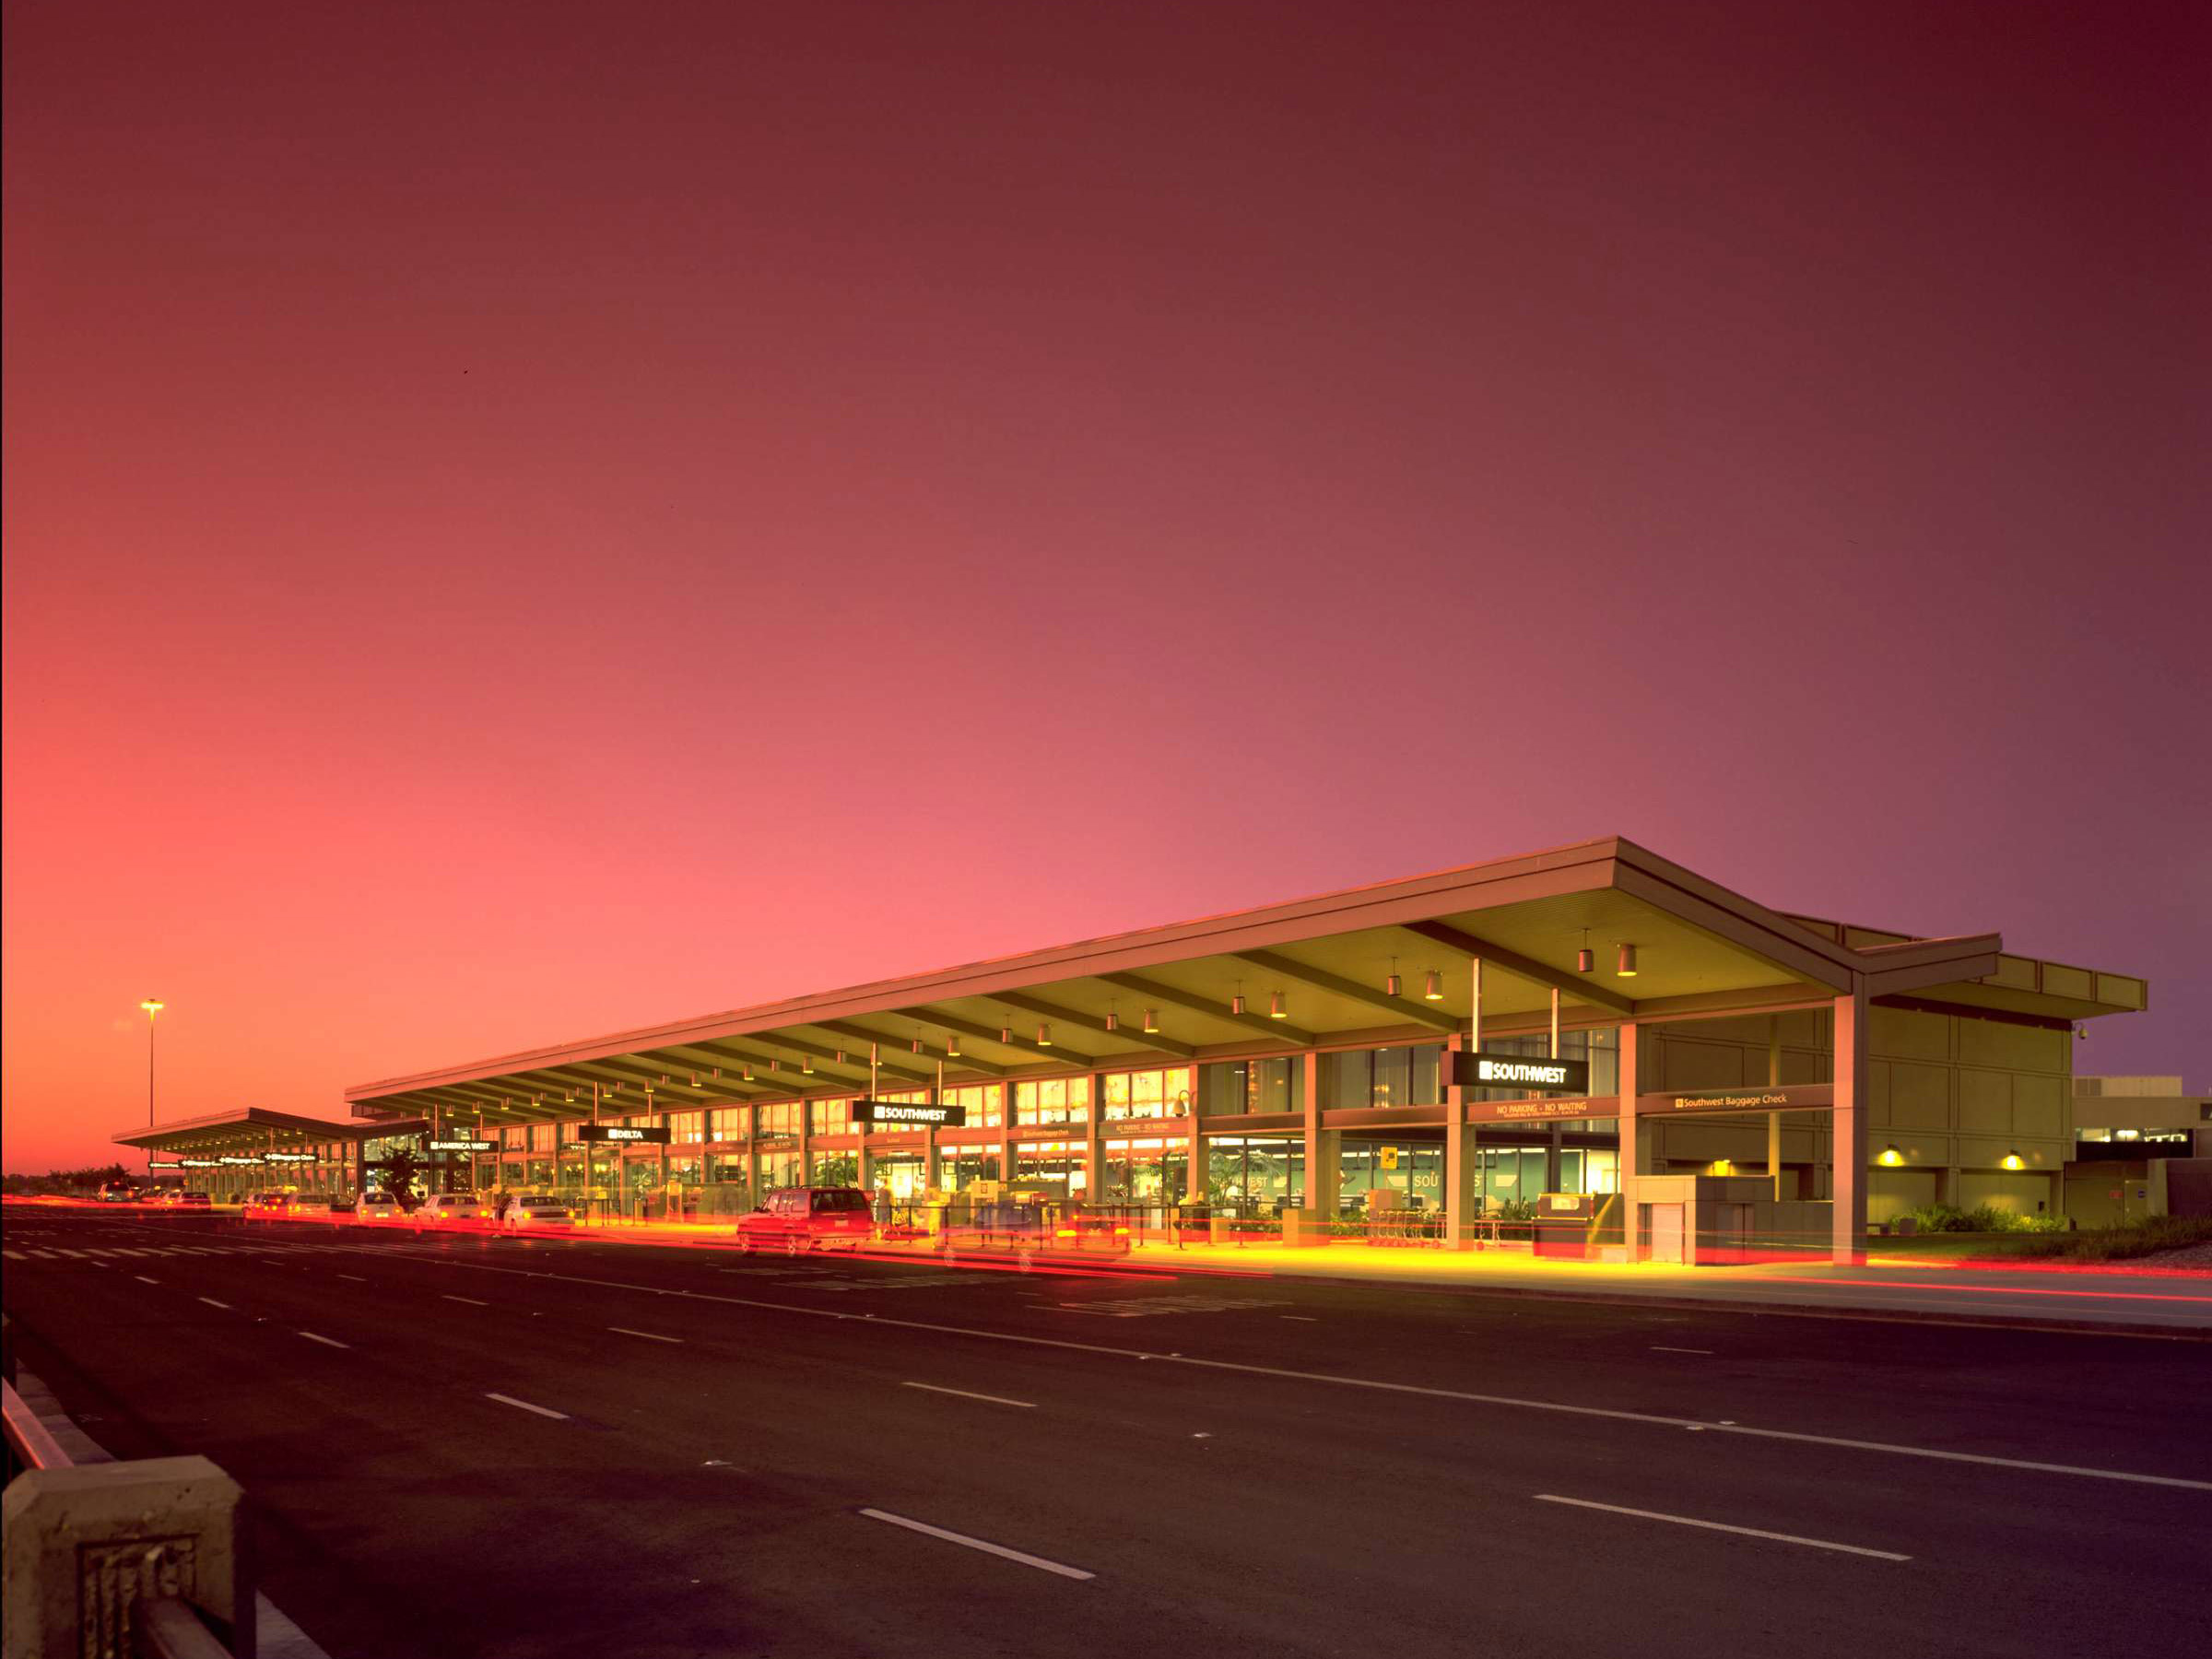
908	1114
629	1134
1535	1073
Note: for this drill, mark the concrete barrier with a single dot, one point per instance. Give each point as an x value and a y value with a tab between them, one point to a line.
82	1548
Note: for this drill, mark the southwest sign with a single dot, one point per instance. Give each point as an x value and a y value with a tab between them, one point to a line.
1784	1097
1476	1068
917	1114
627	1133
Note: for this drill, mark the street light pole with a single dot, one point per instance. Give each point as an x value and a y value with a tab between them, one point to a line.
153	1006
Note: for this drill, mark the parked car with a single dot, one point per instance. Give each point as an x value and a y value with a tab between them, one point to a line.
267	1206
376	1206
118	1192
535	1209
175	1200
452	1206
797	1220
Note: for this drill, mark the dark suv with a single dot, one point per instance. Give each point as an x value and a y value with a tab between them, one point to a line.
797	1220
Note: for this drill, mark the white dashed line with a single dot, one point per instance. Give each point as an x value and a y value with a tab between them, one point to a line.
326	1341
471	1300
987	1548
626	1331
967	1394
526	1405
1657	1349
1746	1531
144	1281
213	1303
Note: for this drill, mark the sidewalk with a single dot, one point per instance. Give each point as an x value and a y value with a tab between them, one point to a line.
2172	1302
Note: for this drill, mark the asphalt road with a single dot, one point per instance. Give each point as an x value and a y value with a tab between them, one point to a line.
465	1446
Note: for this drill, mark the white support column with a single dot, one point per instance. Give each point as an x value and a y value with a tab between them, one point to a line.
1463	1200
1631	1232
930	1171
1774	1118
1847	1141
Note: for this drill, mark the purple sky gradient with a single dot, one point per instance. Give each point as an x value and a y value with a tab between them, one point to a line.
528	519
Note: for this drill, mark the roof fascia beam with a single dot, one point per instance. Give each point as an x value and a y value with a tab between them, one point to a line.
1527	968
1806	954
1320	979
1278	1030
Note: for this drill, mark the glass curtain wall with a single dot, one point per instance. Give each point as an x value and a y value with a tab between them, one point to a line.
1255	1172
1230	1087
1143	1170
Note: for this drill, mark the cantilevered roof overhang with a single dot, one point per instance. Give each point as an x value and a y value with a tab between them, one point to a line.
248	1128
1700	948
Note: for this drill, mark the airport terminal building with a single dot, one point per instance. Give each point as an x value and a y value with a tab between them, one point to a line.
1589	1022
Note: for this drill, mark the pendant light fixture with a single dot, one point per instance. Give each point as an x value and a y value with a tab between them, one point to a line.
2013	1160
807	1064
1045	1036
1626	968
1585	959
917	1042
952	1045
1434	990
1392	985
841	1056
749	1071
1113	1020
1151	1022
1276	1007
1006	1032
1890	1156
1236	1003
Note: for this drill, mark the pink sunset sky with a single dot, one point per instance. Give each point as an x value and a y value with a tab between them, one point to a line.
527	520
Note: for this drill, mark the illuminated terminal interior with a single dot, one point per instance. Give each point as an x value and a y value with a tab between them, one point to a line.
1727	1063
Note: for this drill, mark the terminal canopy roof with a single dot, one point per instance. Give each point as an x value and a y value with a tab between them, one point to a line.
250	1129
1166	994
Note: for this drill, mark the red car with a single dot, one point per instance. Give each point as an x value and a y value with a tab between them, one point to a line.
797	1220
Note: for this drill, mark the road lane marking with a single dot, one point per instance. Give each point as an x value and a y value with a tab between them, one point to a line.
356	1277
982	1544
966	1395
1748	1531
622	1330
13	1255
213	1303
1300	1318
72	1256
471	1300
326	1341
1658	1348
1612	1414
526	1405
144	1281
